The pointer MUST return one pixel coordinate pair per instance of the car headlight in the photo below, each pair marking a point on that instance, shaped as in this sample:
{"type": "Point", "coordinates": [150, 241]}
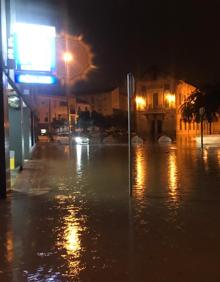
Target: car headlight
{"type": "Point", "coordinates": [78, 140]}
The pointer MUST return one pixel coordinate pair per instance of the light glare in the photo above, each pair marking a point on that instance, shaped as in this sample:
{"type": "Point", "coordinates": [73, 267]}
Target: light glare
{"type": "Point", "coordinates": [34, 47]}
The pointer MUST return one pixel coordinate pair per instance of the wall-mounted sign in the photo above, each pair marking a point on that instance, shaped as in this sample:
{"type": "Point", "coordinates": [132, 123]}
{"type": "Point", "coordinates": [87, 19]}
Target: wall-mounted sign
{"type": "Point", "coordinates": [35, 78]}
{"type": "Point", "coordinates": [34, 52]}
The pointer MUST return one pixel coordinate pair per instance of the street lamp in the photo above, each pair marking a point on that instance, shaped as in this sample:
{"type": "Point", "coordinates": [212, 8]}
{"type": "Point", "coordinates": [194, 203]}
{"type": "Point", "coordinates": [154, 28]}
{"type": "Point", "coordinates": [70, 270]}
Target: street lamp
{"type": "Point", "coordinates": [68, 58]}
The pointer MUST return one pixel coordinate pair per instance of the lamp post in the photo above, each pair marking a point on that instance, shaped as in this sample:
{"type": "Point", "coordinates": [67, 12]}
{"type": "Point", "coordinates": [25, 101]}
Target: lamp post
{"type": "Point", "coordinates": [67, 57]}
{"type": "Point", "coordinates": [130, 93]}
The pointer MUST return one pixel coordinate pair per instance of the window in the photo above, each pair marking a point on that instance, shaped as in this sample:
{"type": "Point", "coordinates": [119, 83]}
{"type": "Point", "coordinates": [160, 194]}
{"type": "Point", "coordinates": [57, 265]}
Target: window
{"type": "Point", "coordinates": [180, 124]}
{"type": "Point", "coordinates": [166, 87]}
{"type": "Point", "coordinates": [46, 119]}
{"type": "Point", "coordinates": [143, 89]}
{"type": "Point", "coordinates": [185, 125]}
{"type": "Point", "coordinates": [155, 100]}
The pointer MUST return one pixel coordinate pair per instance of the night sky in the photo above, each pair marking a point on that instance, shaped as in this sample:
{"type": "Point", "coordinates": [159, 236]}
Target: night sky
{"type": "Point", "coordinates": [181, 38]}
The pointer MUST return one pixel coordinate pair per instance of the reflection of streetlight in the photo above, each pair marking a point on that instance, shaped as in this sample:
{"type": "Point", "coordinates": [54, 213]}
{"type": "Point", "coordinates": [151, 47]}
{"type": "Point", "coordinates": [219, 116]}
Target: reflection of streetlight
{"type": "Point", "coordinates": [201, 112]}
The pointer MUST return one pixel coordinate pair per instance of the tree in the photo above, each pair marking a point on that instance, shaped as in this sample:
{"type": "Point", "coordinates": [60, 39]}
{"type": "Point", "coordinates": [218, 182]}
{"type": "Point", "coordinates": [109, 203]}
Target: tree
{"type": "Point", "coordinates": [84, 120]}
{"type": "Point", "coordinates": [98, 119]}
{"type": "Point", "coordinates": [207, 98]}
{"type": "Point", "coordinates": [58, 123]}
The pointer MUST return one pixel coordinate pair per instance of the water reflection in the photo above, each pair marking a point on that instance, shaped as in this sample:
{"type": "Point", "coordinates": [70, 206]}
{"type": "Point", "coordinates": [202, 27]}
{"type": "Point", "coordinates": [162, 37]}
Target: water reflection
{"type": "Point", "coordinates": [71, 238]}
{"type": "Point", "coordinates": [80, 151]}
{"type": "Point", "coordinates": [140, 171]}
{"type": "Point", "coordinates": [172, 175]}
{"type": "Point", "coordinates": [205, 158]}
{"type": "Point", "coordinates": [9, 246]}
{"type": "Point", "coordinates": [69, 242]}
{"type": "Point", "coordinates": [78, 157]}
{"type": "Point", "coordinates": [218, 156]}
{"type": "Point", "coordinates": [79, 232]}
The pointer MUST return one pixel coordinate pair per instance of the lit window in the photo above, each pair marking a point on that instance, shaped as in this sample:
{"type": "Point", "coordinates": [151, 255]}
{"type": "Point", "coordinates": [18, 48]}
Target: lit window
{"type": "Point", "coordinates": [140, 103]}
{"type": "Point", "coordinates": [171, 100]}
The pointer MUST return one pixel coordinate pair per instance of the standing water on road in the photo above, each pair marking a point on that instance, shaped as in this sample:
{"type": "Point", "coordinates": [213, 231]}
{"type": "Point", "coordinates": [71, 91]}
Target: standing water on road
{"type": "Point", "coordinates": [70, 217]}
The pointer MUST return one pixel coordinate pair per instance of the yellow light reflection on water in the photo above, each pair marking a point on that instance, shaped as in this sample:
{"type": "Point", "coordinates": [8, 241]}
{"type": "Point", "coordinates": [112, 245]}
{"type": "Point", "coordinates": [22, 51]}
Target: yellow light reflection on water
{"type": "Point", "coordinates": [218, 156]}
{"type": "Point", "coordinates": [9, 246]}
{"type": "Point", "coordinates": [172, 176]}
{"type": "Point", "coordinates": [140, 169]}
{"type": "Point", "coordinates": [205, 158]}
{"type": "Point", "coordinates": [71, 243]}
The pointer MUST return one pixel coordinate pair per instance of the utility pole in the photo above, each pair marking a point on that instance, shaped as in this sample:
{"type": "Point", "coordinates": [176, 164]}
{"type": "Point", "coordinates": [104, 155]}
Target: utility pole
{"type": "Point", "coordinates": [130, 93]}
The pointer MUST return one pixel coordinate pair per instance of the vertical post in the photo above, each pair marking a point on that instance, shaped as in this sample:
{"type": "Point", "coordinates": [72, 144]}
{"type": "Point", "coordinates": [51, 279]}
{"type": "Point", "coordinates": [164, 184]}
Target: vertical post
{"type": "Point", "coordinates": [201, 112]}
{"type": "Point", "coordinates": [68, 102]}
{"type": "Point", "coordinates": [49, 120]}
{"type": "Point", "coordinates": [67, 90]}
{"type": "Point", "coordinates": [4, 142]}
{"type": "Point", "coordinates": [130, 92]}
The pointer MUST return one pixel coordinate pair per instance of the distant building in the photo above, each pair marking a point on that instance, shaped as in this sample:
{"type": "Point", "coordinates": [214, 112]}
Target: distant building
{"type": "Point", "coordinates": [158, 104]}
{"type": "Point", "coordinates": [107, 102]}
{"type": "Point", "coordinates": [50, 108]}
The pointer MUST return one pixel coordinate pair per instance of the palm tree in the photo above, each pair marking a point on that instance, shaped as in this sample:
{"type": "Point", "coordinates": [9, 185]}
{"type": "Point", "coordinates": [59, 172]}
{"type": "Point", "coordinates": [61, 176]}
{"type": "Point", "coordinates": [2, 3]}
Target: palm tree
{"type": "Point", "coordinates": [207, 98]}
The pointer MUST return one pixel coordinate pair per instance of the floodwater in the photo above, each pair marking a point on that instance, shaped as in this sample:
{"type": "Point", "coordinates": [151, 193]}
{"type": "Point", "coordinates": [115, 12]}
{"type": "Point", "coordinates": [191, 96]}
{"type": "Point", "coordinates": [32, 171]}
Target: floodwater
{"type": "Point", "coordinates": [70, 217]}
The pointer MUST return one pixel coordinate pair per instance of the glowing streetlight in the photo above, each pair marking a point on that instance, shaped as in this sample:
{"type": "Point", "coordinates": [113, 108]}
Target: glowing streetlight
{"type": "Point", "coordinates": [171, 99]}
{"type": "Point", "coordinates": [67, 57]}
{"type": "Point", "coordinates": [140, 103]}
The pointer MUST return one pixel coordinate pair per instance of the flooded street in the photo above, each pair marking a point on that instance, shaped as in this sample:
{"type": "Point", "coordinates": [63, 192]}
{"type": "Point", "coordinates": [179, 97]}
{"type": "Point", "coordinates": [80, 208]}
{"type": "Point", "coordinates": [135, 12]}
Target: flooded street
{"type": "Point", "coordinates": [70, 217]}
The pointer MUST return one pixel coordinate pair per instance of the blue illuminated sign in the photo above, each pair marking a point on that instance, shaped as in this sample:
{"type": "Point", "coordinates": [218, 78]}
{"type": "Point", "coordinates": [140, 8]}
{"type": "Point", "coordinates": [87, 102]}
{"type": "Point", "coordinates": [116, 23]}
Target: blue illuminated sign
{"type": "Point", "coordinates": [34, 78]}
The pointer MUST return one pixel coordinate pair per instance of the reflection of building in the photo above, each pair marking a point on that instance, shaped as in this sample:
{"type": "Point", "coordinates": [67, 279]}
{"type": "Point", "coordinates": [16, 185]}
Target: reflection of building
{"type": "Point", "coordinates": [158, 104]}
{"type": "Point", "coordinates": [107, 102]}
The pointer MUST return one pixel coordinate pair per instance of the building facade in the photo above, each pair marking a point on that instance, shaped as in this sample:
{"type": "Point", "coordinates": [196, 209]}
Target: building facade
{"type": "Point", "coordinates": [157, 109]}
{"type": "Point", "coordinates": [108, 102]}
{"type": "Point", "coordinates": [52, 108]}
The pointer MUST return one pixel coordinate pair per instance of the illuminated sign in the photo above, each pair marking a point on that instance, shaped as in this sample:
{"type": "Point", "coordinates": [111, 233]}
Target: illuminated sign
{"type": "Point", "coordinates": [34, 48]}
{"type": "Point", "coordinates": [34, 78]}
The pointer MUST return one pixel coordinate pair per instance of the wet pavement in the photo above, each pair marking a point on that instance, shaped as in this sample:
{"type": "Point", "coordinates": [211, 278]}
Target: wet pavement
{"type": "Point", "coordinates": [70, 217]}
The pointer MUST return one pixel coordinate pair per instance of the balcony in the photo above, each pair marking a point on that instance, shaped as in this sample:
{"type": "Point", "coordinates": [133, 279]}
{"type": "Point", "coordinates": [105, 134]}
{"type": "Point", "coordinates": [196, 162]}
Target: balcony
{"type": "Point", "coordinates": [156, 110]}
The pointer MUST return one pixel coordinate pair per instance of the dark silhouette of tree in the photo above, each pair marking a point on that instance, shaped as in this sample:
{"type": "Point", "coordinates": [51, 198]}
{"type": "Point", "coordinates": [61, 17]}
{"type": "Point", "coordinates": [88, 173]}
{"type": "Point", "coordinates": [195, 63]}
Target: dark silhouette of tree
{"type": "Point", "coordinates": [58, 123]}
{"type": "Point", "coordinates": [98, 119]}
{"type": "Point", "coordinates": [84, 120]}
{"type": "Point", "coordinates": [207, 98]}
